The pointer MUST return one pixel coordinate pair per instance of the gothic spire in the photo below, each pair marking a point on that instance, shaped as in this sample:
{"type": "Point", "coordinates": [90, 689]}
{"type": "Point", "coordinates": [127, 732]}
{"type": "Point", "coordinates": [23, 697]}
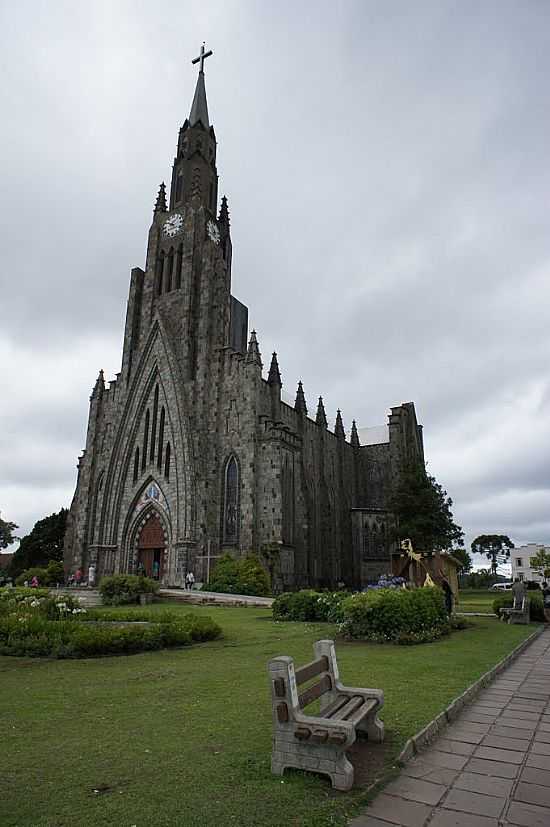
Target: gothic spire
{"type": "Point", "coordinates": [99, 386]}
{"type": "Point", "coordinates": [223, 217]}
{"type": "Point", "coordinates": [274, 377]}
{"type": "Point", "coordinates": [199, 107]}
{"type": "Point", "coordinates": [160, 205]}
{"type": "Point", "coordinates": [354, 436]}
{"type": "Point", "coordinates": [300, 403]}
{"type": "Point", "coordinates": [339, 426]}
{"type": "Point", "coordinates": [321, 418]}
{"type": "Point", "coordinates": [253, 355]}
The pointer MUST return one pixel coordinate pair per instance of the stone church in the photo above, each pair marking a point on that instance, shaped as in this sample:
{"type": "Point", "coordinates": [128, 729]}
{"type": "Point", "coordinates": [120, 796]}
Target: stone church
{"type": "Point", "coordinates": [191, 452]}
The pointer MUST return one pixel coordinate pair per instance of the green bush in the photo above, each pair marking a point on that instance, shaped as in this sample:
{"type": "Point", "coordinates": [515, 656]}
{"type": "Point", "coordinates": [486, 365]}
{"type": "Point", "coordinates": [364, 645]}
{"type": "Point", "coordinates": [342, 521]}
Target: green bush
{"type": "Point", "coordinates": [309, 605]}
{"type": "Point", "coordinates": [36, 636]}
{"type": "Point", "coordinates": [244, 575]}
{"type": "Point", "coordinates": [536, 606]}
{"type": "Point", "coordinates": [49, 576]}
{"type": "Point", "coordinates": [396, 615]}
{"type": "Point", "coordinates": [125, 588]}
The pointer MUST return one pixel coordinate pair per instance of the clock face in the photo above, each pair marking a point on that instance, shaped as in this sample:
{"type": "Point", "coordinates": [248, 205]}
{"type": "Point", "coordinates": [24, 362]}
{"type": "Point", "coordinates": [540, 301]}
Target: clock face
{"type": "Point", "coordinates": [213, 232]}
{"type": "Point", "coordinates": [173, 225]}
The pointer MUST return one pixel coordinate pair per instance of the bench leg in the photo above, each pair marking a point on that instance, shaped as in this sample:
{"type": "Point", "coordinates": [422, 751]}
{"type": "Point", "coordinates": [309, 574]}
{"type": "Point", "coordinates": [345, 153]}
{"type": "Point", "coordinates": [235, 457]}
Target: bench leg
{"type": "Point", "coordinates": [373, 728]}
{"type": "Point", "coordinates": [342, 777]}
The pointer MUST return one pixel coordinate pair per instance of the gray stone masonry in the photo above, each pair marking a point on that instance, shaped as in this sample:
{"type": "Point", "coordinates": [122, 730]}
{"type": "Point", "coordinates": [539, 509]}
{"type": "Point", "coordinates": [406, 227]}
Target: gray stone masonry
{"type": "Point", "coordinates": [186, 404]}
{"type": "Point", "coordinates": [490, 768]}
{"type": "Point", "coordinates": [315, 742]}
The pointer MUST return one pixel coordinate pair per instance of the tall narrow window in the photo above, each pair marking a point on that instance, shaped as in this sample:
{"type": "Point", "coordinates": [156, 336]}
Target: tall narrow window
{"type": "Point", "coordinates": [287, 498]}
{"type": "Point", "coordinates": [168, 268]}
{"type": "Point", "coordinates": [158, 274]}
{"type": "Point", "coordinates": [154, 428]}
{"type": "Point", "coordinates": [231, 503]}
{"type": "Point", "coordinates": [167, 461]}
{"type": "Point", "coordinates": [161, 438]}
{"type": "Point", "coordinates": [179, 259]}
{"type": "Point", "coordinates": [145, 441]}
{"type": "Point", "coordinates": [136, 465]}
{"type": "Point", "coordinates": [179, 187]}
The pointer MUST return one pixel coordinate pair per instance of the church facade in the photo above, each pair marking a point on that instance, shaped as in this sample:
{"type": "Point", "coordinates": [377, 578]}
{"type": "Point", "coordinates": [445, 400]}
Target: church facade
{"type": "Point", "coordinates": [192, 452]}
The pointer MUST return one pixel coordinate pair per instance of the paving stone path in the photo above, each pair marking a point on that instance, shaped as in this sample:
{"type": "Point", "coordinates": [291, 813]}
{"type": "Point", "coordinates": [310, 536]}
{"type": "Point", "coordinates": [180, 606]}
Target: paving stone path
{"type": "Point", "coordinates": [490, 768]}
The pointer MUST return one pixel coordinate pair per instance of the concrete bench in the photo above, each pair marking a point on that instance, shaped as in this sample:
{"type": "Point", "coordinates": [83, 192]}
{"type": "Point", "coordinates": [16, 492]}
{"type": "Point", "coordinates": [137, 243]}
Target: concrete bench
{"type": "Point", "coordinates": [514, 615]}
{"type": "Point", "coordinates": [318, 742]}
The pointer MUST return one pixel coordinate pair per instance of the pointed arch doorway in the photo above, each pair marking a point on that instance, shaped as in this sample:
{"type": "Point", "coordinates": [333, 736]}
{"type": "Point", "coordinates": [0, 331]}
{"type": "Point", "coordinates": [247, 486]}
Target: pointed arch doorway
{"type": "Point", "coordinates": [151, 546]}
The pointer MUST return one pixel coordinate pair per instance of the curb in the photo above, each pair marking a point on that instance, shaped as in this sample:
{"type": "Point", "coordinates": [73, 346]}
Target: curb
{"type": "Point", "coordinates": [429, 732]}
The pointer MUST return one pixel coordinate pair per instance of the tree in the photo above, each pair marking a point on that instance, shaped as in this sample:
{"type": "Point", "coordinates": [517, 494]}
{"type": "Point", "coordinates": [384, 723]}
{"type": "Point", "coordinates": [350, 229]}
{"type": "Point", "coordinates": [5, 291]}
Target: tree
{"type": "Point", "coordinates": [480, 579]}
{"type": "Point", "coordinates": [423, 510]}
{"type": "Point", "coordinates": [541, 563]}
{"type": "Point", "coordinates": [496, 548]}
{"type": "Point", "coordinates": [7, 537]}
{"type": "Point", "coordinates": [44, 543]}
{"type": "Point", "coordinates": [465, 560]}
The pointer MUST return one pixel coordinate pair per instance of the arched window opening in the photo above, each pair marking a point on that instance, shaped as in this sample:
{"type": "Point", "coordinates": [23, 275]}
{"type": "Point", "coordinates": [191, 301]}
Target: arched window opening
{"type": "Point", "coordinates": [179, 187]}
{"type": "Point", "coordinates": [231, 503]}
{"type": "Point", "coordinates": [167, 462]}
{"type": "Point", "coordinates": [287, 485]}
{"type": "Point", "coordinates": [179, 259]}
{"type": "Point", "coordinates": [168, 269]}
{"type": "Point", "coordinates": [158, 274]}
{"type": "Point", "coordinates": [136, 465]}
{"type": "Point", "coordinates": [145, 441]}
{"type": "Point", "coordinates": [212, 205]}
{"type": "Point", "coordinates": [161, 438]}
{"type": "Point", "coordinates": [154, 428]}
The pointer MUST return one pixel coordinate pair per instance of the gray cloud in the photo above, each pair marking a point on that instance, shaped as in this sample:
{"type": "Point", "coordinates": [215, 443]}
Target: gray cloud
{"type": "Point", "coordinates": [388, 179]}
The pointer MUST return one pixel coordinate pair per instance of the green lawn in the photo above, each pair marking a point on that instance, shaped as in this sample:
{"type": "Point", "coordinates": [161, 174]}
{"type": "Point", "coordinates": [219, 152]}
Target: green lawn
{"type": "Point", "coordinates": [183, 737]}
{"type": "Point", "coordinates": [476, 600]}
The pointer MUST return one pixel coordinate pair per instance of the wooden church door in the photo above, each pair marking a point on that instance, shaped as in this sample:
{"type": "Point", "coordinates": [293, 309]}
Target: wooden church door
{"type": "Point", "coordinates": [151, 547]}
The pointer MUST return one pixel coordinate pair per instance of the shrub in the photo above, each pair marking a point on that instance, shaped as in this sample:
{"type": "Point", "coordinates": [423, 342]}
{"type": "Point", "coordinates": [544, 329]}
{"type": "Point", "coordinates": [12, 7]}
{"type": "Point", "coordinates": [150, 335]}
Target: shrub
{"type": "Point", "coordinates": [244, 575]}
{"type": "Point", "coordinates": [396, 615]}
{"type": "Point", "coordinates": [36, 636]}
{"type": "Point", "coordinates": [309, 605]}
{"type": "Point", "coordinates": [536, 606]}
{"type": "Point", "coordinates": [125, 588]}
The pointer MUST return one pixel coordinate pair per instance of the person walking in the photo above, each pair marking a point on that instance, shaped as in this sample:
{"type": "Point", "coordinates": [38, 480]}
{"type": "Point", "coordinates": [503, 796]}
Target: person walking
{"type": "Point", "coordinates": [546, 600]}
{"type": "Point", "coordinates": [190, 580]}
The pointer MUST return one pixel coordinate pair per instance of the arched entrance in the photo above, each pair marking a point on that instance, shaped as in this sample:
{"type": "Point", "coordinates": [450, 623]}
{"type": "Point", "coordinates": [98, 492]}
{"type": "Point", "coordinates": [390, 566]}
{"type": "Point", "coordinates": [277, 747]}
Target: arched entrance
{"type": "Point", "coordinates": [150, 548]}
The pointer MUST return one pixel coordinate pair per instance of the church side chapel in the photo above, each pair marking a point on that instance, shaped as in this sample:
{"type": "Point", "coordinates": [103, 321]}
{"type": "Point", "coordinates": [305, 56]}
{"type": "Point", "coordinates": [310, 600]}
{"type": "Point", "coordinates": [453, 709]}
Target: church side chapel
{"type": "Point", "coordinates": [192, 452]}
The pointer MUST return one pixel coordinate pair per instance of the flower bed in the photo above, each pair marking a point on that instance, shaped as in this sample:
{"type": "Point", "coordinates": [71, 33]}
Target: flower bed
{"type": "Point", "coordinates": [38, 625]}
{"type": "Point", "coordinates": [126, 588]}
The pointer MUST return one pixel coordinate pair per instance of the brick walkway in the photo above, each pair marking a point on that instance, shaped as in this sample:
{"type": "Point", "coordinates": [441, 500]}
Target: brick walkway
{"type": "Point", "coordinates": [489, 768]}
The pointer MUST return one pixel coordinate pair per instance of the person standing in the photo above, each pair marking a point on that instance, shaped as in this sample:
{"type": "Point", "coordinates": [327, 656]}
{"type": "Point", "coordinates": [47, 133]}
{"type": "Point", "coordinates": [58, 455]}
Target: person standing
{"type": "Point", "coordinates": [91, 576]}
{"type": "Point", "coordinates": [518, 590]}
{"type": "Point", "coordinates": [78, 577]}
{"type": "Point", "coordinates": [190, 580]}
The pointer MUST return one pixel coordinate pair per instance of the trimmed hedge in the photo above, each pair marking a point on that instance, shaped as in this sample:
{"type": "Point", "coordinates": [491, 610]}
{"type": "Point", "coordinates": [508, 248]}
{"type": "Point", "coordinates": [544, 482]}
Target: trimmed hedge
{"type": "Point", "coordinates": [34, 636]}
{"type": "Point", "coordinates": [125, 588]}
{"type": "Point", "coordinates": [244, 575]}
{"type": "Point", "coordinates": [536, 606]}
{"type": "Point", "coordinates": [396, 615]}
{"type": "Point", "coordinates": [309, 605]}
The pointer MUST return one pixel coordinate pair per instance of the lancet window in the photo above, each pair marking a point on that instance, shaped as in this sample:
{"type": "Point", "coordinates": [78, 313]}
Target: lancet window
{"type": "Point", "coordinates": [136, 465]}
{"type": "Point", "coordinates": [154, 428]}
{"type": "Point", "coordinates": [167, 461]}
{"type": "Point", "coordinates": [145, 441]}
{"type": "Point", "coordinates": [231, 502]}
{"type": "Point", "coordinates": [161, 438]}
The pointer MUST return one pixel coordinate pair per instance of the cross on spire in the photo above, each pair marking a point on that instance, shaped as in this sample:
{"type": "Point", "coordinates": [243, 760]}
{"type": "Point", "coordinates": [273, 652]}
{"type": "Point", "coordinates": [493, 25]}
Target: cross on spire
{"type": "Point", "coordinates": [201, 58]}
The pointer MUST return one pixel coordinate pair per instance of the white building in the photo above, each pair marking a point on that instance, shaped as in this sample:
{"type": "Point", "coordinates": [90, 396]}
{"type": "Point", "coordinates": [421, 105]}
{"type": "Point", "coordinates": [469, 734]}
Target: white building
{"type": "Point", "coordinates": [520, 559]}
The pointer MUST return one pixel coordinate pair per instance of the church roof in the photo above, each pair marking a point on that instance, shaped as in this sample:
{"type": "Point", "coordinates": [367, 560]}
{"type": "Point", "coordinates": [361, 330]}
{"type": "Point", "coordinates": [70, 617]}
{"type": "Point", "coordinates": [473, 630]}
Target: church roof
{"type": "Point", "coordinates": [199, 107]}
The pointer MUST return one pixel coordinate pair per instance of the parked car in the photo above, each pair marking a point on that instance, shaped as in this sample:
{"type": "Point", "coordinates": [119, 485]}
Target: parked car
{"type": "Point", "coordinates": [501, 587]}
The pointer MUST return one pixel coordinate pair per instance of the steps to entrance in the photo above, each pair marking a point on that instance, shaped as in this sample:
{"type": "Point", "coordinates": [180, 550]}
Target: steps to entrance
{"type": "Point", "coordinates": [214, 598]}
{"type": "Point", "coordinates": [88, 598]}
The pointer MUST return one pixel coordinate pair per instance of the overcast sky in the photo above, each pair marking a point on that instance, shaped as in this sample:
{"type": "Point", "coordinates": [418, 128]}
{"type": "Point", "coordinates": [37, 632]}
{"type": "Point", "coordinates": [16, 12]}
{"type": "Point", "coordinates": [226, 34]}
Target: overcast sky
{"type": "Point", "coordinates": [387, 167]}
